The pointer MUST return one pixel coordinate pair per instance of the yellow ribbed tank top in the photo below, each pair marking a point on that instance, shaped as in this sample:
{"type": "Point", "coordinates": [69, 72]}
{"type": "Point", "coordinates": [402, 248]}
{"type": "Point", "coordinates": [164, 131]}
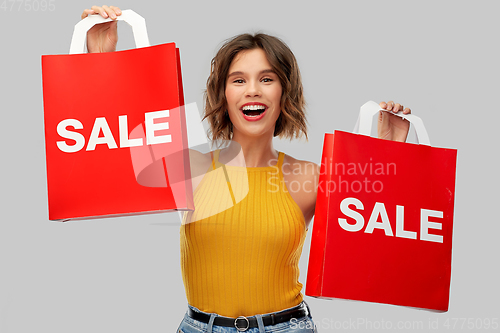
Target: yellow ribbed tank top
{"type": "Point", "coordinates": [242, 259]}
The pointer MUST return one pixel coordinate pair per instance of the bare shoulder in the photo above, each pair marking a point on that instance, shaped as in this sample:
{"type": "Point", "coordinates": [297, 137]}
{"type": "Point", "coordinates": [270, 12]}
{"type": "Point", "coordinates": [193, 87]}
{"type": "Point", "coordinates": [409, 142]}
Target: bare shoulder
{"type": "Point", "coordinates": [199, 163]}
{"type": "Point", "coordinates": [199, 160]}
{"type": "Point", "coordinates": [300, 169]}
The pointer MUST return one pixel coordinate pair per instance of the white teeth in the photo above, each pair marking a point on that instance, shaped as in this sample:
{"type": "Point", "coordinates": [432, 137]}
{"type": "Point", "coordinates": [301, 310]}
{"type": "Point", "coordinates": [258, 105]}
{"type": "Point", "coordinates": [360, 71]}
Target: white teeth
{"type": "Point", "coordinates": [254, 107]}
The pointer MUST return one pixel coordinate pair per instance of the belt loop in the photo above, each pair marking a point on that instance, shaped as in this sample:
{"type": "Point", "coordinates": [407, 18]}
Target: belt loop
{"type": "Point", "coordinates": [308, 310]}
{"type": "Point", "coordinates": [211, 322]}
{"type": "Point", "coordinates": [260, 323]}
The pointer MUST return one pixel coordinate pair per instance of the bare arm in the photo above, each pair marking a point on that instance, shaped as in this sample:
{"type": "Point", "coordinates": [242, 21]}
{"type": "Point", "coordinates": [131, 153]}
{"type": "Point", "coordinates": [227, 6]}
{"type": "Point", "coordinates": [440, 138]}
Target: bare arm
{"type": "Point", "coordinates": [306, 174]}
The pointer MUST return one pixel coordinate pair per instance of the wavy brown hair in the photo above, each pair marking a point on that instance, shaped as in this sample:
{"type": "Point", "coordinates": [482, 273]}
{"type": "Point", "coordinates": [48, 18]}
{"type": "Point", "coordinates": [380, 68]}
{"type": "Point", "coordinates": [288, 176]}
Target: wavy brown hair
{"type": "Point", "coordinates": [291, 122]}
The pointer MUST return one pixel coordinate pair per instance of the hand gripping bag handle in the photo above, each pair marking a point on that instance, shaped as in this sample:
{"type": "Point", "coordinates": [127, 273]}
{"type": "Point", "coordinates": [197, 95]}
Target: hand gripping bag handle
{"type": "Point", "coordinates": [369, 109]}
{"type": "Point", "coordinates": [136, 21]}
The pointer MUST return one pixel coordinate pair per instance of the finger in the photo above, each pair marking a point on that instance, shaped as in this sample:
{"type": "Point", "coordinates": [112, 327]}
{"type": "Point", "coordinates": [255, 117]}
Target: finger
{"type": "Point", "coordinates": [117, 10]}
{"type": "Point", "coordinates": [100, 11]}
{"type": "Point", "coordinates": [397, 107]}
{"type": "Point", "coordinates": [111, 13]}
{"type": "Point", "coordinates": [390, 105]}
{"type": "Point", "coordinates": [407, 111]}
{"type": "Point", "coordinates": [383, 105]}
{"type": "Point", "coordinates": [87, 12]}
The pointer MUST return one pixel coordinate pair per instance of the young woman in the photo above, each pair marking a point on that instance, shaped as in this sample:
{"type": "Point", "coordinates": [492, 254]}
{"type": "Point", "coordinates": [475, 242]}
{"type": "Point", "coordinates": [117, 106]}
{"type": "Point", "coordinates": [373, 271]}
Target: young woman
{"type": "Point", "coordinates": [240, 257]}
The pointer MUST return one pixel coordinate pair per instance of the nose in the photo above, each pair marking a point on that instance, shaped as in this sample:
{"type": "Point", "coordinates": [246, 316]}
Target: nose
{"type": "Point", "coordinates": [253, 89]}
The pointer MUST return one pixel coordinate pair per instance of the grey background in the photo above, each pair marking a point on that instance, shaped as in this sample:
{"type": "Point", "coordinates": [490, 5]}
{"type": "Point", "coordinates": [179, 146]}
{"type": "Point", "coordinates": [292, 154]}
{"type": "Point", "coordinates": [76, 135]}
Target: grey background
{"type": "Point", "coordinates": [122, 275]}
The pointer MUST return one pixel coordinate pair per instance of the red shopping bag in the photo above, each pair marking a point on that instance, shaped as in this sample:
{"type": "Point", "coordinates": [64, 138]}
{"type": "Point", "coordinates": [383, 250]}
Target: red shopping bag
{"type": "Point", "coordinates": [114, 121]}
{"type": "Point", "coordinates": [384, 217]}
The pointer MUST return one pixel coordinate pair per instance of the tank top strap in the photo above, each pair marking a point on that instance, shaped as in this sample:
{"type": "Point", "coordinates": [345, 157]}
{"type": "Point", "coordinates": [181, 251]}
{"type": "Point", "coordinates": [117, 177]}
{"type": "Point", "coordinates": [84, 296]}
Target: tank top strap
{"type": "Point", "coordinates": [215, 157]}
{"type": "Point", "coordinates": [215, 160]}
{"type": "Point", "coordinates": [281, 157]}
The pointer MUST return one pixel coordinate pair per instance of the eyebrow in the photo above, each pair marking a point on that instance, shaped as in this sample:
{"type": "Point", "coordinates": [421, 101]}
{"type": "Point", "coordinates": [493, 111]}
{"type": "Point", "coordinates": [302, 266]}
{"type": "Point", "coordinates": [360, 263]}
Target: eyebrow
{"type": "Point", "coordinates": [265, 71]}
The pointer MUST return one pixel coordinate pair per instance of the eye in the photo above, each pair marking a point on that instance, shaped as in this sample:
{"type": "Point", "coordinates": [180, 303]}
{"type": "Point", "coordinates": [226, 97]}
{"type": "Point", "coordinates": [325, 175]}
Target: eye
{"type": "Point", "coordinates": [267, 80]}
{"type": "Point", "coordinates": [239, 81]}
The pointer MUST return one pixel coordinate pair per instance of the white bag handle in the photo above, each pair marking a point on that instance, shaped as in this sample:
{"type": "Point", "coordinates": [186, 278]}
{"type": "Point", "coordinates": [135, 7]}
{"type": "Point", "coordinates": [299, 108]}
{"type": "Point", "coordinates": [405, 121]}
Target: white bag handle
{"type": "Point", "coordinates": [136, 21]}
{"type": "Point", "coordinates": [369, 109]}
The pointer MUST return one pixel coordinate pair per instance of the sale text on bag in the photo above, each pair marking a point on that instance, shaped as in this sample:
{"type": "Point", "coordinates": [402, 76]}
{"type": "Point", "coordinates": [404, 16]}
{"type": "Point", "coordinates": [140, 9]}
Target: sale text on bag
{"type": "Point", "coordinates": [384, 224]}
{"type": "Point", "coordinates": [101, 125]}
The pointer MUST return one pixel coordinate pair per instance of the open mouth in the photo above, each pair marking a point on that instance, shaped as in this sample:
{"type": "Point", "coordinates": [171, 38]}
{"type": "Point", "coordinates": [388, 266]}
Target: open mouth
{"type": "Point", "coordinates": [253, 110]}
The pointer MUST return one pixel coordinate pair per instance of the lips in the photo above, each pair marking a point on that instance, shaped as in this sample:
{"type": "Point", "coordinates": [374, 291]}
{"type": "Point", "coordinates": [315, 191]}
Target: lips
{"type": "Point", "coordinates": [253, 111]}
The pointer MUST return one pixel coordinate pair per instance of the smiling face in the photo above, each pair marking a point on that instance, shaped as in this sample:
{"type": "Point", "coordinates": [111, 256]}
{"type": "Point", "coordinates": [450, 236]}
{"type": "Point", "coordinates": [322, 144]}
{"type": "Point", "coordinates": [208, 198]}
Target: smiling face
{"type": "Point", "coordinates": [253, 94]}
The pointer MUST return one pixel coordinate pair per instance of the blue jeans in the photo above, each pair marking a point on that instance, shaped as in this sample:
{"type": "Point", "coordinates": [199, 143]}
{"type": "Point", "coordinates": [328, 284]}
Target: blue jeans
{"type": "Point", "coordinates": [295, 325]}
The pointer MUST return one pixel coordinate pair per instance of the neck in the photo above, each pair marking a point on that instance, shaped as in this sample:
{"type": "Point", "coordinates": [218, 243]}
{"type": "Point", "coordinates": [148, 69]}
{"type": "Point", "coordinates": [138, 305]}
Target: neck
{"type": "Point", "coordinates": [257, 151]}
